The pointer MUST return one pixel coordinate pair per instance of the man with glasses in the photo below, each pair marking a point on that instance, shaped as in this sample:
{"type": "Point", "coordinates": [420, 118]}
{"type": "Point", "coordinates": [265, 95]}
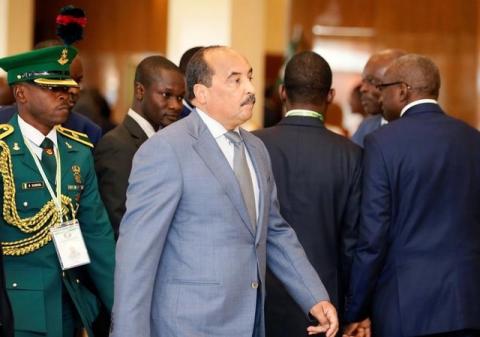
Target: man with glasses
{"type": "Point", "coordinates": [370, 95]}
{"type": "Point", "coordinates": [54, 228]}
{"type": "Point", "coordinates": [159, 88]}
{"type": "Point", "coordinates": [416, 270]}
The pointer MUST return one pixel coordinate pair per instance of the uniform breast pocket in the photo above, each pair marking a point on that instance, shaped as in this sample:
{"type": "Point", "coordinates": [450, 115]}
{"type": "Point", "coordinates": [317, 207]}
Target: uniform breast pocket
{"type": "Point", "coordinates": [30, 202]}
{"type": "Point", "coordinates": [27, 299]}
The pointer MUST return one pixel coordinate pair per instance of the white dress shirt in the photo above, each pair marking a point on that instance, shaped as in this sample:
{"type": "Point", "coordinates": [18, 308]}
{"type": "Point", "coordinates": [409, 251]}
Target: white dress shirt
{"type": "Point", "coordinates": [417, 102]}
{"type": "Point", "coordinates": [142, 122]}
{"type": "Point", "coordinates": [35, 137]}
{"type": "Point", "coordinates": [218, 132]}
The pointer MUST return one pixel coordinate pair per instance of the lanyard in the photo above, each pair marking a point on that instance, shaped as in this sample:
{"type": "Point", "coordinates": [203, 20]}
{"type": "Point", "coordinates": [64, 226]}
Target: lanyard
{"type": "Point", "coordinates": [304, 113]}
{"type": "Point", "coordinates": [58, 178]}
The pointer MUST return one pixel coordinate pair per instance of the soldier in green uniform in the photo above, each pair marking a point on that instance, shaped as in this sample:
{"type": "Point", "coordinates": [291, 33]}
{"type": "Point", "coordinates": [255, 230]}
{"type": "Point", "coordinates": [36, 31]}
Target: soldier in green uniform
{"type": "Point", "coordinates": [57, 241]}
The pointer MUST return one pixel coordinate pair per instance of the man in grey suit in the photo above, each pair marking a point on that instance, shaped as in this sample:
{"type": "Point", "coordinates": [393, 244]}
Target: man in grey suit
{"type": "Point", "coordinates": [203, 221]}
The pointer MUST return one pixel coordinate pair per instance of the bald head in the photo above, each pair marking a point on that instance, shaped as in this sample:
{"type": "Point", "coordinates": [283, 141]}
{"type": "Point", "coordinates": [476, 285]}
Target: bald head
{"type": "Point", "coordinates": [419, 73]}
{"type": "Point", "coordinates": [372, 75]}
{"type": "Point", "coordinates": [382, 59]}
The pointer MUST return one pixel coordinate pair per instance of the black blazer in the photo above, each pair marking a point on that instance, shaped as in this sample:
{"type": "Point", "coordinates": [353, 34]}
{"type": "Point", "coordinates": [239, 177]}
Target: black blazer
{"type": "Point", "coordinates": [318, 176]}
{"type": "Point", "coordinates": [113, 163]}
{"type": "Point", "coordinates": [6, 318]}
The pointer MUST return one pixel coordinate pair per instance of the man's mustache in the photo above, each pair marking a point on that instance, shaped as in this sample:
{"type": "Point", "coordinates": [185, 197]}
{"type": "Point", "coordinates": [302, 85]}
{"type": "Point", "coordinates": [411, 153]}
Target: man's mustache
{"type": "Point", "coordinates": [250, 100]}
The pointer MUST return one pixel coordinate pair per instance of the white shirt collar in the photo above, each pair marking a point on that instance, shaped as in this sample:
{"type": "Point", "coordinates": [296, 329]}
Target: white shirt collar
{"type": "Point", "coordinates": [417, 102]}
{"type": "Point", "coordinates": [142, 122]}
{"type": "Point", "coordinates": [35, 136]}
{"type": "Point", "coordinates": [188, 105]}
{"type": "Point", "coordinates": [214, 126]}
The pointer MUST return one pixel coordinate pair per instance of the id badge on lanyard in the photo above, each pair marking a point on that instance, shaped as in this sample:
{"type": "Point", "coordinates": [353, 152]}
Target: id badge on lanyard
{"type": "Point", "coordinates": [67, 235]}
{"type": "Point", "coordinates": [69, 244]}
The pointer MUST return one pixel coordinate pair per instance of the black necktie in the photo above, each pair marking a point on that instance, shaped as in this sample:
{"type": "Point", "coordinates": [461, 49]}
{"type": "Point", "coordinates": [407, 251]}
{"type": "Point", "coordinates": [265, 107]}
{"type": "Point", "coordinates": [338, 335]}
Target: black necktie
{"type": "Point", "coordinates": [48, 160]}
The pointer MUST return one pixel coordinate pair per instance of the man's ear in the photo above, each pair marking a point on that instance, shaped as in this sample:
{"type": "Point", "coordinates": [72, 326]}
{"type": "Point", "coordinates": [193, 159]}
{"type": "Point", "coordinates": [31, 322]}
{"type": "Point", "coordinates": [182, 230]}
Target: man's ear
{"type": "Point", "coordinates": [404, 93]}
{"type": "Point", "coordinates": [330, 95]}
{"type": "Point", "coordinates": [200, 92]}
{"type": "Point", "coordinates": [282, 93]}
{"type": "Point", "coordinates": [139, 91]}
{"type": "Point", "coordinates": [19, 93]}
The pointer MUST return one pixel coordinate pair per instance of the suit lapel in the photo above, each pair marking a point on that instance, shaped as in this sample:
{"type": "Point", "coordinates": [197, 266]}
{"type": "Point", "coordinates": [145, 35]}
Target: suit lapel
{"type": "Point", "coordinates": [135, 130]}
{"type": "Point", "coordinates": [211, 154]}
{"type": "Point", "coordinates": [66, 146]}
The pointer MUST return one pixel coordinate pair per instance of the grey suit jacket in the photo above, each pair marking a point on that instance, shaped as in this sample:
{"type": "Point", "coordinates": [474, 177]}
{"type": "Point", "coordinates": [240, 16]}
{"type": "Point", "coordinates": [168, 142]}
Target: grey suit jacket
{"type": "Point", "coordinates": [113, 163]}
{"type": "Point", "coordinates": [188, 259]}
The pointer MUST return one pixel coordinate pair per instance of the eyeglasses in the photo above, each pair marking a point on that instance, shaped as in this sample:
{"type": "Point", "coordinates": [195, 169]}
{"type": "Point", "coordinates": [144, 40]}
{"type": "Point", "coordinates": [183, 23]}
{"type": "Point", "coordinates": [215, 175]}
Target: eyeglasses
{"type": "Point", "coordinates": [384, 85]}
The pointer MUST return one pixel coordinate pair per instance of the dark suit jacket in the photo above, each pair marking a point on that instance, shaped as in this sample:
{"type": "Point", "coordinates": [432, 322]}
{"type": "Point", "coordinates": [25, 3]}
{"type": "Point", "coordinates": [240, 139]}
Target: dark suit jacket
{"type": "Point", "coordinates": [368, 125]}
{"type": "Point", "coordinates": [113, 163]}
{"type": "Point", "coordinates": [318, 177]}
{"type": "Point", "coordinates": [6, 319]}
{"type": "Point", "coordinates": [416, 269]}
{"type": "Point", "coordinates": [75, 121]}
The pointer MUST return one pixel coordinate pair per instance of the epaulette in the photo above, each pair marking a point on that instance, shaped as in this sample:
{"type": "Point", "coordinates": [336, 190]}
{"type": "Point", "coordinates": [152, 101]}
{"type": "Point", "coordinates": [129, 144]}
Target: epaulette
{"type": "Point", "coordinates": [75, 135]}
{"type": "Point", "coordinates": [5, 130]}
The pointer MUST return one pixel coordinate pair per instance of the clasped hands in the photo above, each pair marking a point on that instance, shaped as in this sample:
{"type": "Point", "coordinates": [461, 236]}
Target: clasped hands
{"type": "Point", "coordinates": [358, 329]}
{"type": "Point", "coordinates": [327, 318]}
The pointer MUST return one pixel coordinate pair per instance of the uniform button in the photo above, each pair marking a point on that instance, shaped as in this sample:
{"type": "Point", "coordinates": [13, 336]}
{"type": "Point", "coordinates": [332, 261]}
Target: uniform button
{"type": "Point", "coordinates": [25, 204]}
{"type": "Point", "coordinates": [63, 274]}
{"type": "Point", "coordinates": [77, 280]}
{"type": "Point", "coordinates": [254, 285]}
{"type": "Point", "coordinates": [14, 285]}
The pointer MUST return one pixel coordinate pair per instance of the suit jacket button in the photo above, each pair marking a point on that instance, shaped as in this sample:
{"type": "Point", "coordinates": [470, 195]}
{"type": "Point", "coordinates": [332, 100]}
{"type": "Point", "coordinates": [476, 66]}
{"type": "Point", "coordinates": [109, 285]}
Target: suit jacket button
{"type": "Point", "coordinates": [254, 285]}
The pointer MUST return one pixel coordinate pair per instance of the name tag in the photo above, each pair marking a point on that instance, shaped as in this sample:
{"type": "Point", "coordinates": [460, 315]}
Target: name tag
{"type": "Point", "coordinates": [69, 244]}
{"type": "Point", "coordinates": [33, 185]}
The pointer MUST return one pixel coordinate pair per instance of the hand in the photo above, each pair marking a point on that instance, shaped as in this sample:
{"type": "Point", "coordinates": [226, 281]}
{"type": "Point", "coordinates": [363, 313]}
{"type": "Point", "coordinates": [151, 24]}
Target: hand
{"type": "Point", "coordinates": [358, 329]}
{"type": "Point", "coordinates": [327, 318]}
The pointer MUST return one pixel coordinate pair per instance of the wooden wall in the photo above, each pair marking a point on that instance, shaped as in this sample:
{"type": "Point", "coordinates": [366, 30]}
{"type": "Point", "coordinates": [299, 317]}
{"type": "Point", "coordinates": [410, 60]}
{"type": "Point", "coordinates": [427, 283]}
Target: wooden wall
{"type": "Point", "coordinates": [117, 36]}
{"type": "Point", "coordinates": [447, 31]}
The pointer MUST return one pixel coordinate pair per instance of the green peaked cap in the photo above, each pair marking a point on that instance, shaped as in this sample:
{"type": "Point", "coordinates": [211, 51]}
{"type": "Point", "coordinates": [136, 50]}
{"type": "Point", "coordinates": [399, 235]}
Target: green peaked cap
{"type": "Point", "coordinates": [47, 66]}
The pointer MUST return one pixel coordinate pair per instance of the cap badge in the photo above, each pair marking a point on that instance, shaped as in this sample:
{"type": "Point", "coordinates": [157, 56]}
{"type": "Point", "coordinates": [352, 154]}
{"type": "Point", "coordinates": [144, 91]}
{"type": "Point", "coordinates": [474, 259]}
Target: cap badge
{"type": "Point", "coordinates": [64, 57]}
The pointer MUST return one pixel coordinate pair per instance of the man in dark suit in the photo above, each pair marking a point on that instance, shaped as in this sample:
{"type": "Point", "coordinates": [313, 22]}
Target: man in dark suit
{"type": "Point", "coordinates": [370, 96]}
{"type": "Point", "coordinates": [416, 269]}
{"type": "Point", "coordinates": [6, 319]}
{"type": "Point", "coordinates": [318, 179]}
{"type": "Point", "coordinates": [159, 88]}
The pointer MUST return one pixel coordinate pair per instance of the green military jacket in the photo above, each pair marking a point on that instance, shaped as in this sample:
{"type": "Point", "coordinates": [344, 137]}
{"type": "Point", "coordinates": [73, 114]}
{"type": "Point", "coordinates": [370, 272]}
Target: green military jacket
{"type": "Point", "coordinates": [34, 280]}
